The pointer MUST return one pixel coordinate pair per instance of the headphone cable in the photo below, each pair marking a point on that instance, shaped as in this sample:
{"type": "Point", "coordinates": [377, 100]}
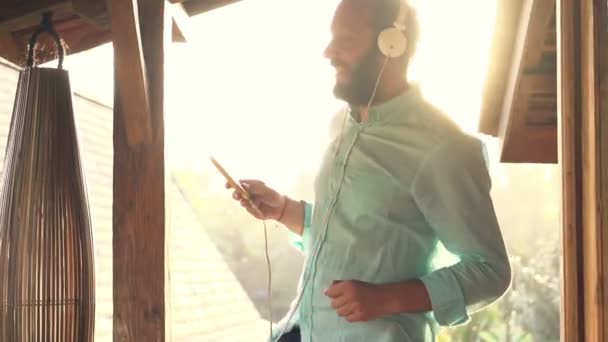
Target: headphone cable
{"type": "Point", "coordinates": [269, 277]}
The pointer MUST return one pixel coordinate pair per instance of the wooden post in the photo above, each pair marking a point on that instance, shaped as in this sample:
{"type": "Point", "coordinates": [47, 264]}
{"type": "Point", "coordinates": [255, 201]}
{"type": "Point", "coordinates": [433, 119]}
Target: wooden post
{"type": "Point", "coordinates": [130, 70]}
{"type": "Point", "coordinates": [602, 153]}
{"type": "Point", "coordinates": [598, 188]}
{"type": "Point", "coordinates": [140, 260]}
{"type": "Point", "coordinates": [569, 150]}
{"type": "Point", "coordinates": [583, 122]}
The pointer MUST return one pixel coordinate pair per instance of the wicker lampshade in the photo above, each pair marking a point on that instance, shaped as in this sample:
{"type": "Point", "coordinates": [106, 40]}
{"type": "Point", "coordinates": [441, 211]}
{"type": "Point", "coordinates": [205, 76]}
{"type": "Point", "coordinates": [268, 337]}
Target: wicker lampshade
{"type": "Point", "coordinates": [46, 251]}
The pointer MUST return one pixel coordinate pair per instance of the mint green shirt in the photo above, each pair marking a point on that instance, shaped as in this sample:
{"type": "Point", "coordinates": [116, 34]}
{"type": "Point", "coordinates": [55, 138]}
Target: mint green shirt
{"type": "Point", "coordinates": [388, 194]}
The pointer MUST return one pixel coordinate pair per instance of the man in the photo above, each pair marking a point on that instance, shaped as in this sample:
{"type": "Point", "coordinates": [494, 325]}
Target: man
{"type": "Point", "coordinates": [398, 179]}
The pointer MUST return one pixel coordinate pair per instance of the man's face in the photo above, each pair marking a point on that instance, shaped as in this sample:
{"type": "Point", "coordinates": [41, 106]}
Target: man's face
{"type": "Point", "coordinates": [352, 51]}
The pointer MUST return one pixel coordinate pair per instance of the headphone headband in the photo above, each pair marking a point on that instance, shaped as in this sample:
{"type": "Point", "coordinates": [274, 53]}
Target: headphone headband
{"type": "Point", "coordinates": [401, 16]}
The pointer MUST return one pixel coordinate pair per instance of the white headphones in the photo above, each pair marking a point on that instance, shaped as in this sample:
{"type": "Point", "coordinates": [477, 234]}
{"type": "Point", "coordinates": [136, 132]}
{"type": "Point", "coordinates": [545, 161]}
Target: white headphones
{"type": "Point", "coordinates": [392, 41]}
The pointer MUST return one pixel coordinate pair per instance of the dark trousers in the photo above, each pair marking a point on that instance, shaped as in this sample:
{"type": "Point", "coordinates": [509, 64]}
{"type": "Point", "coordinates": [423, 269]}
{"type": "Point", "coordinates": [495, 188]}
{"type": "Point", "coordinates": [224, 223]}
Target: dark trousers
{"type": "Point", "coordinates": [292, 336]}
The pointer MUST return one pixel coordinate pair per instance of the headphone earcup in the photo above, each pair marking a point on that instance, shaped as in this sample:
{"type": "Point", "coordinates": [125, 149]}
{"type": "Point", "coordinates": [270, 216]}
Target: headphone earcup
{"type": "Point", "coordinates": [392, 42]}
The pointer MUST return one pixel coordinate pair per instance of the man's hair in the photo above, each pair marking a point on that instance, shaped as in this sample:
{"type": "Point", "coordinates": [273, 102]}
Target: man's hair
{"type": "Point", "coordinates": [384, 14]}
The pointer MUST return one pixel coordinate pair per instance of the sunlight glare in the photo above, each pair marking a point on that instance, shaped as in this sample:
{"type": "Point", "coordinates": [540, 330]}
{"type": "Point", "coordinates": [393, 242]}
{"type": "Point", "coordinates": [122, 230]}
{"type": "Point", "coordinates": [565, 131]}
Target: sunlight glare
{"type": "Point", "coordinates": [255, 91]}
{"type": "Point", "coordinates": [453, 55]}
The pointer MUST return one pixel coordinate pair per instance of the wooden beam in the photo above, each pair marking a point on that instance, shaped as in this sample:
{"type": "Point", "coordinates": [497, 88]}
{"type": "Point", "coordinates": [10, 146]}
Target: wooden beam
{"type": "Point", "coordinates": [533, 145]}
{"type": "Point", "coordinates": [194, 7]}
{"type": "Point", "coordinates": [79, 36]}
{"type": "Point", "coordinates": [529, 39]}
{"type": "Point", "coordinates": [9, 48]}
{"type": "Point", "coordinates": [19, 13]}
{"type": "Point", "coordinates": [569, 130]}
{"type": "Point", "coordinates": [139, 237]}
{"type": "Point", "coordinates": [600, 39]}
{"type": "Point", "coordinates": [131, 70]}
{"type": "Point", "coordinates": [79, 33]}
{"type": "Point", "coordinates": [180, 23]}
{"type": "Point", "coordinates": [593, 36]}
{"type": "Point", "coordinates": [501, 55]}
{"type": "Point", "coordinates": [537, 31]}
{"type": "Point", "coordinates": [529, 143]}
{"type": "Point", "coordinates": [519, 42]}
{"type": "Point", "coordinates": [539, 103]}
{"type": "Point", "coordinates": [517, 65]}
{"type": "Point", "coordinates": [94, 11]}
{"type": "Point", "coordinates": [582, 92]}
{"type": "Point", "coordinates": [82, 24]}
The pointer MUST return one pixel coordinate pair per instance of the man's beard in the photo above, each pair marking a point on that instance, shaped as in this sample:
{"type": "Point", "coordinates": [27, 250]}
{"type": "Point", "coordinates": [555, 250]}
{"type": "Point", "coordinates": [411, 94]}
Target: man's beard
{"type": "Point", "coordinates": [363, 77]}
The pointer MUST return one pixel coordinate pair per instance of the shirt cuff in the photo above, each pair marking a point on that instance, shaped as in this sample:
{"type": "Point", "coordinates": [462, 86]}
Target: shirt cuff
{"type": "Point", "coordinates": [447, 299]}
{"type": "Point", "coordinates": [300, 242]}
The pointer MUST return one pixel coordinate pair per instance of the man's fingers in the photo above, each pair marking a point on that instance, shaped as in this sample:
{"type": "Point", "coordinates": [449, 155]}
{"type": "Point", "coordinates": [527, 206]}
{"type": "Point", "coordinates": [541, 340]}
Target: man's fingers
{"type": "Point", "coordinates": [255, 212]}
{"type": "Point", "coordinates": [255, 182]}
{"type": "Point", "coordinates": [355, 316]}
{"type": "Point", "coordinates": [346, 310]}
{"type": "Point", "coordinates": [247, 202]}
{"type": "Point", "coordinates": [334, 290]}
{"type": "Point", "coordinates": [338, 302]}
{"type": "Point", "coordinates": [252, 208]}
{"type": "Point", "coordinates": [254, 187]}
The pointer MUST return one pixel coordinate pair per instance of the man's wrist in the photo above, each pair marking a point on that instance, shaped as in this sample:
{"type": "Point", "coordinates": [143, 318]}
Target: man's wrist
{"type": "Point", "coordinates": [389, 299]}
{"type": "Point", "coordinates": [291, 215]}
{"type": "Point", "coordinates": [404, 297]}
{"type": "Point", "coordinates": [283, 208]}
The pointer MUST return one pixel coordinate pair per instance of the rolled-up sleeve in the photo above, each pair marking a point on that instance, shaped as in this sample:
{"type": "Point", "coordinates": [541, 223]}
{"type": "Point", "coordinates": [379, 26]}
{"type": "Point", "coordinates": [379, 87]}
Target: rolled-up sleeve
{"type": "Point", "coordinates": [300, 242]}
{"type": "Point", "coordinates": [452, 190]}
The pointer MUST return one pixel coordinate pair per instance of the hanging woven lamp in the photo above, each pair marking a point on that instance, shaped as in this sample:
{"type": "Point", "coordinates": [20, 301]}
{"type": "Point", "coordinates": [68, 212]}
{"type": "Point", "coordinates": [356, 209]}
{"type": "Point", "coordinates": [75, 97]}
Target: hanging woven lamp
{"type": "Point", "coordinates": [46, 249]}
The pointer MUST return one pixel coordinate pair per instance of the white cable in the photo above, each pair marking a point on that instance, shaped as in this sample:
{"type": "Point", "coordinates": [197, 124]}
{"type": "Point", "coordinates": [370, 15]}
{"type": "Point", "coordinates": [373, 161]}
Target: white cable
{"type": "Point", "coordinates": [371, 99]}
{"type": "Point", "coordinates": [269, 289]}
{"type": "Point", "coordinates": [269, 277]}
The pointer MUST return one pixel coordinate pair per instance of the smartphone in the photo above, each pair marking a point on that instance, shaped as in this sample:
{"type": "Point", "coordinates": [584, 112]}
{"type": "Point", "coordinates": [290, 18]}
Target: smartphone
{"type": "Point", "coordinates": [236, 186]}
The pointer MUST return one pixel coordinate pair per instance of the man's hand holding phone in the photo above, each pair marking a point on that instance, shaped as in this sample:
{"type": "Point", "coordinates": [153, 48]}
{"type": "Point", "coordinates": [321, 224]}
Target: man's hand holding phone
{"type": "Point", "coordinates": [270, 204]}
{"type": "Point", "coordinates": [260, 201]}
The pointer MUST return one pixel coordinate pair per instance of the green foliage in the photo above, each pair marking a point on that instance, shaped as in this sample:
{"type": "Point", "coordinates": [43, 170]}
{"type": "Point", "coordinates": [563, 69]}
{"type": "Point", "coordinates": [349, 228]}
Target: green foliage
{"type": "Point", "coordinates": [527, 202]}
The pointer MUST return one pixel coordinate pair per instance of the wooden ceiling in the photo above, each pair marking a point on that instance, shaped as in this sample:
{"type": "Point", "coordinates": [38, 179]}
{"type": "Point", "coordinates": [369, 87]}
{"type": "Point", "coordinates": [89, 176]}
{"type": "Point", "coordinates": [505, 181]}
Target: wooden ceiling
{"type": "Point", "coordinates": [520, 96]}
{"type": "Point", "coordinates": [82, 24]}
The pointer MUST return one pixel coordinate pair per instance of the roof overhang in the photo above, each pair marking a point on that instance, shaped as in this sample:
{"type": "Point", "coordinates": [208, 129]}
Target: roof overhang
{"type": "Point", "coordinates": [519, 103]}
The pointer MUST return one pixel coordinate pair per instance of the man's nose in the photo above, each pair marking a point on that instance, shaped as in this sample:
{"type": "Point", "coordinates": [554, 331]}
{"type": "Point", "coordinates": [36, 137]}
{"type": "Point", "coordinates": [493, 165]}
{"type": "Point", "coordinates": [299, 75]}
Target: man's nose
{"type": "Point", "coordinates": [329, 52]}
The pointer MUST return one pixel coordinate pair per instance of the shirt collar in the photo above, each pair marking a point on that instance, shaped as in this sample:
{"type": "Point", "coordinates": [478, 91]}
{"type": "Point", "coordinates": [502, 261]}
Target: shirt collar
{"type": "Point", "coordinates": [395, 105]}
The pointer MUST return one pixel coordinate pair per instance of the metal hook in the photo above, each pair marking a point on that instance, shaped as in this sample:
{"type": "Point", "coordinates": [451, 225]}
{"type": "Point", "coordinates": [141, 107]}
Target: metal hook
{"type": "Point", "coordinates": [46, 25]}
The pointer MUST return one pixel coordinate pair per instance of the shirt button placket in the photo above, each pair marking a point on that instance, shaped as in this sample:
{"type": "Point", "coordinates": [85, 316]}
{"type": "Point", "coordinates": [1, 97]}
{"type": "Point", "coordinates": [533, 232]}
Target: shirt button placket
{"type": "Point", "coordinates": [336, 178]}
